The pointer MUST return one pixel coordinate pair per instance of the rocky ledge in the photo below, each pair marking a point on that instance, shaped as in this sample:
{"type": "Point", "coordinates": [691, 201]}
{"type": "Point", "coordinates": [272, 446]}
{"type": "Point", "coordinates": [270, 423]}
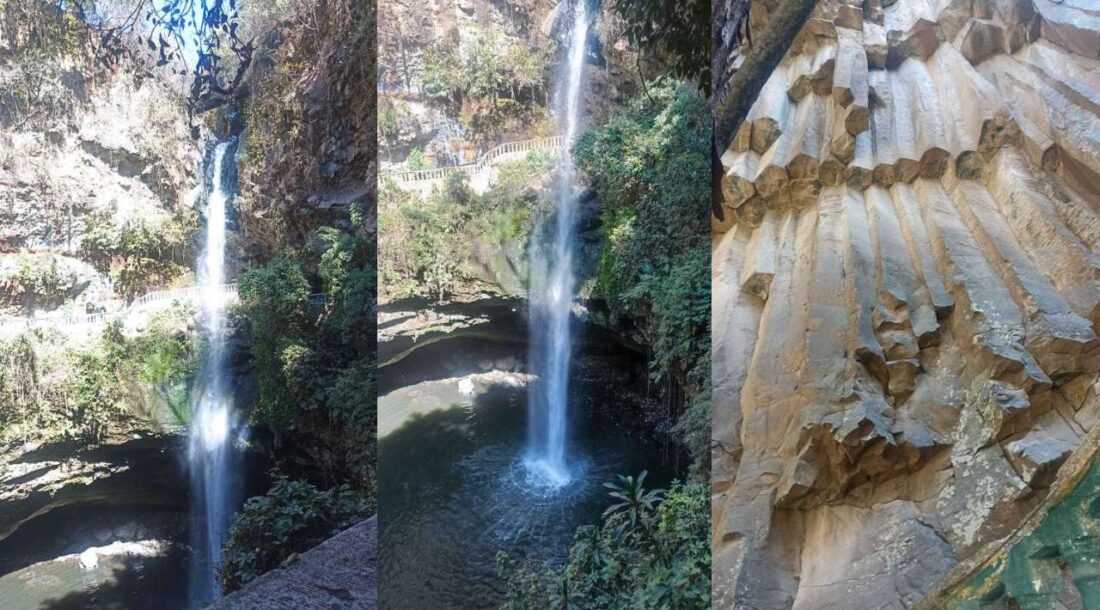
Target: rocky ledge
{"type": "Point", "coordinates": [138, 471]}
{"type": "Point", "coordinates": [340, 573]}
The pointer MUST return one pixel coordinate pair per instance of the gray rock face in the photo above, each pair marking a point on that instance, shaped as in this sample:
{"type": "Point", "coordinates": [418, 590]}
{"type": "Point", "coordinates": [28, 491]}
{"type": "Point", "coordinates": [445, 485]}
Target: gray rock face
{"type": "Point", "coordinates": [119, 150]}
{"type": "Point", "coordinates": [905, 295]}
{"type": "Point", "coordinates": [126, 148]}
{"type": "Point", "coordinates": [340, 573]}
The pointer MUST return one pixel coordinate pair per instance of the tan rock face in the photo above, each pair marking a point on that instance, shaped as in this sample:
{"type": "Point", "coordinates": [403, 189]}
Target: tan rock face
{"type": "Point", "coordinates": [906, 297]}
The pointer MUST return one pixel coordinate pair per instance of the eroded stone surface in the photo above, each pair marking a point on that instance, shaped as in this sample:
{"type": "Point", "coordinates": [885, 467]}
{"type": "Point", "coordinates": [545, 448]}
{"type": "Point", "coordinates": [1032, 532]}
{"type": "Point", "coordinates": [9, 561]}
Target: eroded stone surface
{"type": "Point", "coordinates": [338, 574]}
{"type": "Point", "coordinates": [905, 303]}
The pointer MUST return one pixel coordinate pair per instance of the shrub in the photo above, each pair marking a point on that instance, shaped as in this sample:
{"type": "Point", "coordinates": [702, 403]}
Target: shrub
{"type": "Point", "coordinates": [50, 390]}
{"type": "Point", "coordinates": [98, 397]}
{"type": "Point", "coordinates": [275, 299]}
{"type": "Point", "coordinates": [140, 255]}
{"type": "Point", "coordinates": [659, 560]}
{"type": "Point", "coordinates": [315, 362]}
{"type": "Point", "coordinates": [38, 282]}
{"type": "Point", "coordinates": [425, 242]}
{"type": "Point", "coordinates": [292, 517]}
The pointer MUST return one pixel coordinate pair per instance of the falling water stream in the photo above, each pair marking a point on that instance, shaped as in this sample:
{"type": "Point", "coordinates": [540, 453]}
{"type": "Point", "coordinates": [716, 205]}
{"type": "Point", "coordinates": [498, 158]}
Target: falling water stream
{"type": "Point", "coordinates": [211, 452]}
{"type": "Point", "coordinates": [552, 291]}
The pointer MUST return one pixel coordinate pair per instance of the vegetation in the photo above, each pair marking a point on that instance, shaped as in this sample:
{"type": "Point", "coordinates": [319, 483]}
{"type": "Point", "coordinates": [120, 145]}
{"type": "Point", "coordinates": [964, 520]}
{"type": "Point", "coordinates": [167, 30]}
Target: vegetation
{"type": "Point", "coordinates": [427, 243]}
{"type": "Point", "coordinates": [50, 390]}
{"type": "Point", "coordinates": [44, 41]}
{"type": "Point", "coordinates": [275, 300]}
{"type": "Point", "coordinates": [674, 33]}
{"type": "Point", "coordinates": [309, 299]}
{"type": "Point", "coordinates": [652, 550]}
{"type": "Point", "coordinates": [649, 167]}
{"type": "Point", "coordinates": [495, 81]}
{"type": "Point", "coordinates": [141, 255]}
{"type": "Point", "coordinates": [314, 362]}
{"type": "Point", "coordinates": [291, 518]}
{"type": "Point", "coordinates": [38, 281]}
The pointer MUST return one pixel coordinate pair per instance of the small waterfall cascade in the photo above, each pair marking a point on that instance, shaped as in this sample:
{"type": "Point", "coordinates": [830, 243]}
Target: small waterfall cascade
{"type": "Point", "coordinates": [552, 284]}
{"type": "Point", "coordinates": [447, 132]}
{"type": "Point", "coordinates": [212, 454]}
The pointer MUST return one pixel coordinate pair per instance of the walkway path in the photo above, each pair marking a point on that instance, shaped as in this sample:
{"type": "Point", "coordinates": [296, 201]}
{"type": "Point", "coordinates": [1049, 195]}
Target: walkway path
{"type": "Point", "coordinates": [482, 173]}
{"type": "Point", "coordinates": [144, 304]}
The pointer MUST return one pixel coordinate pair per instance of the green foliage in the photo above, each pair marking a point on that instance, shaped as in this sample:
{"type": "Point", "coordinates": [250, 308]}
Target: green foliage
{"type": "Point", "coordinates": [20, 388]}
{"type": "Point", "coordinates": [313, 366]}
{"type": "Point", "coordinates": [98, 396]}
{"type": "Point", "coordinates": [427, 242]}
{"type": "Point", "coordinates": [347, 338]}
{"type": "Point", "coordinates": [676, 33]}
{"type": "Point", "coordinates": [153, 256]}
{"type": "Point", "coordinates": [416, 160]}
{"type": "Point", "coordinates": [275, 299]}
{"type": "Point", "coordinates": [291, 518]}
{"type": "Point", "coordinates": [649, 166]}
{"type": "Point", "coordinates": [387, 120]}
{"type": "Point", "coordinates": [314, 362]}
{"type": "Point", "coordinates": [140, 256]}
{"type": "Point", "coordinates": [351, 398]}
{"type": "Point", "coordinates": [37, 282]}
{"type": "Point", "coordinates": [49, 390]}
{"type": "Point", "coordinates": [659, 560]}
{"type": "Point", "coordinates": [634, 499]}
{"type": "Point", "coordinates": [497, 80]}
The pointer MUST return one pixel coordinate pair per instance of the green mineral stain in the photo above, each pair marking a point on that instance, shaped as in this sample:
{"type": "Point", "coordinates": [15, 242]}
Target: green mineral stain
{"type": "Point", "coordinates": [1032, 575]}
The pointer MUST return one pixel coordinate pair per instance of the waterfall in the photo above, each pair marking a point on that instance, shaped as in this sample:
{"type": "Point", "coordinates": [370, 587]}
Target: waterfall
{"type": "Point", "coordinates": [552, 288]}
{"type": "Point", "coordinates": [211, 452]}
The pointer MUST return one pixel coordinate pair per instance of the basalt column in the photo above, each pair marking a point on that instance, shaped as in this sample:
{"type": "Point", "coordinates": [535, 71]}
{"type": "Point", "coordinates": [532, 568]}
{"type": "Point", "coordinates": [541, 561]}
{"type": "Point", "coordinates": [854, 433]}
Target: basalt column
{"type": "Point", "coordinates": [906, 297]}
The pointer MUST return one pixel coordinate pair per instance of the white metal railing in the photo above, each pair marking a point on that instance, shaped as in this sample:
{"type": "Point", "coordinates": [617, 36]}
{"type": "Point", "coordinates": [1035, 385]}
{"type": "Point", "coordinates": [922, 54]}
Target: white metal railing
{"type": "Point", "coordinates": [158, 296]}
{"type": "Point", "coordinates": [487, 159]}
{"type": "Point", "coordinates": [192, 292]}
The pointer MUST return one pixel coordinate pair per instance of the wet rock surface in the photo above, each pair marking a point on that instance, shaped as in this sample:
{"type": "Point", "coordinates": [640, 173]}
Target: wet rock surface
{"type": "Point", "coordinates": [405, 326]}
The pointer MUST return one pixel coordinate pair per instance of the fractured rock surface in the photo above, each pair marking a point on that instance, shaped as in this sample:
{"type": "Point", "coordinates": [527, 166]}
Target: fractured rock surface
{"type": "Point", "coordinates": [906, 297]}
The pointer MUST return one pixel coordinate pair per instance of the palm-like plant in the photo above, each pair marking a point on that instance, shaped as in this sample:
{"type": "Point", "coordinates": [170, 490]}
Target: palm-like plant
{"type": "Point", "coordinates": [633, 498]}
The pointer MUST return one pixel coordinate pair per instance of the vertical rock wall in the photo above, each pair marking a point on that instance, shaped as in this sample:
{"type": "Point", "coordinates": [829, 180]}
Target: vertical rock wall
{"type": "Point", "coordinates": [906, 297]}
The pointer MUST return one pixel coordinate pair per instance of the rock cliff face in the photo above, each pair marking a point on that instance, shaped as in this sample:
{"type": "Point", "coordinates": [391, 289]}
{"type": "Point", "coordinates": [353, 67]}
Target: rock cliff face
{"type": "Point", "coordinates": [310, 122]}
{"type": "Point", "coordinates": [80, 145]}
{"type": "Point", "coordinates": [905, 300]}
{"type": "Point", "coordinates": [413, 119]}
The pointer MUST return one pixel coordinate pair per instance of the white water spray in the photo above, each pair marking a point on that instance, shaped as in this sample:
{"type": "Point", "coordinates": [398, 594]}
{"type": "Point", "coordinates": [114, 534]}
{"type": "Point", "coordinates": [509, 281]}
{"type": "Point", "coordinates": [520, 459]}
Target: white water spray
{"type": "Point", "coordinates": [552, 289]}
{"type": "Point", "coordinates": [212, 457]}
